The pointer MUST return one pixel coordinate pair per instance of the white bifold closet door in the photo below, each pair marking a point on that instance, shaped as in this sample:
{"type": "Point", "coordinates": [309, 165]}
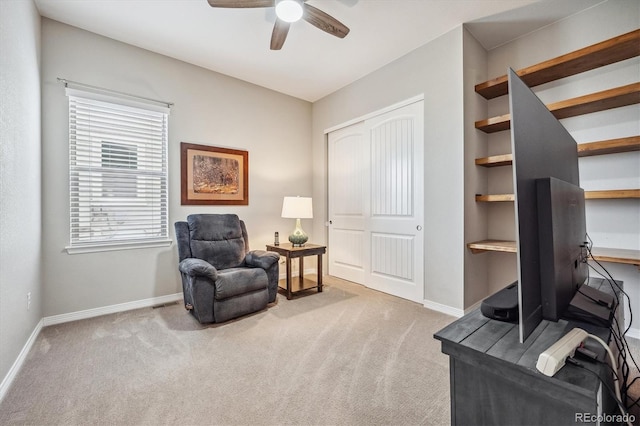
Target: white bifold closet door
{"type": "Point", "coordinates": [376, 202]}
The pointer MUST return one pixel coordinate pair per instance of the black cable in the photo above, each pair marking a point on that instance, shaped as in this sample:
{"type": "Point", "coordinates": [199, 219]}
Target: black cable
{"type": "Point", "coordinates": [621, 343]}
{"type": "Point", "coordinates": [623, 347]}
{"type": "Point", "coordinates": [611, 370]}
{"type": "Point", "coordinates": [623, 410]}
{"type": "Point", "coordinates": [637, 400]}
{"type": "Point", "coordinates": [611, 280]}
{"type": "Point", "coordinates": [623, 352]}
{"type": "Point", "coordinates": [623, 365]}
{"type": "Point", "coordinates": [598, 302]}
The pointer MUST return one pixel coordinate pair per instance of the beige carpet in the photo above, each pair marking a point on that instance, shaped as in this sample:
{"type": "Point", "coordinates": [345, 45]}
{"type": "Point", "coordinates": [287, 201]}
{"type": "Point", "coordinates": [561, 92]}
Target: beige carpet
{"type": "Point", "coordinates": [347, 356]}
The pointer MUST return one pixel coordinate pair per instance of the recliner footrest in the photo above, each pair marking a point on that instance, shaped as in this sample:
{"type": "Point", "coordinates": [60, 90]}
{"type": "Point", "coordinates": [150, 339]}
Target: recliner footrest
{"type": "Point", "coordinates": [236, 281]}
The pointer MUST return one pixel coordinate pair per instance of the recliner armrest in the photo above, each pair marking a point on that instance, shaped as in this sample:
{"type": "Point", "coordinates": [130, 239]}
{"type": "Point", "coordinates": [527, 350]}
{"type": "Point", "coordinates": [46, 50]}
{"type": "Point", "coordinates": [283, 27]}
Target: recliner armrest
{"type": "Point", "coordinates": [261, 258]}
{"type": "Point", "coordinates": [198, 267]}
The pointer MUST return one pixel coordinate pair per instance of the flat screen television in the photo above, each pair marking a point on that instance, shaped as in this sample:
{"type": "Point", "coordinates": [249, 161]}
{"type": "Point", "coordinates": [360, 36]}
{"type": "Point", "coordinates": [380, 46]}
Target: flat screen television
{"type": "Point", "coordinates": [550, 228]}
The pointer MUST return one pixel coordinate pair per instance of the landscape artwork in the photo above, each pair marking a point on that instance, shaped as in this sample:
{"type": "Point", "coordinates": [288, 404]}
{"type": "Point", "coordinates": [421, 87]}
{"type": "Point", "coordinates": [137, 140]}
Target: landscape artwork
{"type": "Point", "coordinates": [212, 175]}
{"type": "Point", "coordinates": [215, 175]}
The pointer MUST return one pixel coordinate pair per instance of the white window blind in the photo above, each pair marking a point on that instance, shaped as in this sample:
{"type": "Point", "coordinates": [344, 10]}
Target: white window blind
{"type": "Point", "coordinates": [117, 172]}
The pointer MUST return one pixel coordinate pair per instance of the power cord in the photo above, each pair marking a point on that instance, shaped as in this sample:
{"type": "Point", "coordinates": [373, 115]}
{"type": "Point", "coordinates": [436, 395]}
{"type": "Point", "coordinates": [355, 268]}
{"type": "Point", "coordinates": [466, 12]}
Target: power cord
{"type": "Point", "coordinates": [614, 364]}
{"type": "Point", "coordinates": [619, 338]}
{"type": "Point", "coordinates": [624, 414]}
{"type": "Point", "coordinates": [612, 282]}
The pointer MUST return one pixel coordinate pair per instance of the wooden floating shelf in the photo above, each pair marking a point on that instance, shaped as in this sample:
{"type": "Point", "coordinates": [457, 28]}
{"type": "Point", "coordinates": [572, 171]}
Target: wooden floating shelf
{"type": "Point", "coordinates": [630, 257]}
{"type": "Point", "coordinates": [495, 124]}
{"type": "Point", "coordinates": [612, 194]}
{"type": "Point", "coordinates": [494, 198]}
{"type": "Point", "coordinates": [495, 160]}
{"type": "Point", "coordinates": [610, 51]}
{"type": "Point", "coordinates": [597, 55]}
{"type": "Point", "coordinates": [588, 195]}
{"type": "Point", "coordinates": [610, 146]}
{"type": "Point", "coordinates": [493, 245]}
{"type": "Point", "coordinates": [594, 102]}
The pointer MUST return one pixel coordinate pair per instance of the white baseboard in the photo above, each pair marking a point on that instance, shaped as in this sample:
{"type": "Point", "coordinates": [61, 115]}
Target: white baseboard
{"type": "Point", "coordinates": [17, 365]}
{"type": "Point", "coordinates": [439, 307]}
{"type": "Point", "coordinates": [112, 309]}
{"type": "Point", "coordinates": [472, 307]}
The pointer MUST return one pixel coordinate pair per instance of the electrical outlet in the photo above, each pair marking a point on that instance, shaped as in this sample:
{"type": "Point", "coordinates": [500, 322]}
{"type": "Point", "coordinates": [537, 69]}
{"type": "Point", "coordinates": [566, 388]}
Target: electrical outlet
{"type": "Point", "coordinates": [553, 359]}
{"type": "Point", "coordinates": [28, 301]}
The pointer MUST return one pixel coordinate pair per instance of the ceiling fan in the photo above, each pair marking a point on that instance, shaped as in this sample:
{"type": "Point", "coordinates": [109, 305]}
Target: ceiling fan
{"type": "Point", "coordinates": [289, 11]}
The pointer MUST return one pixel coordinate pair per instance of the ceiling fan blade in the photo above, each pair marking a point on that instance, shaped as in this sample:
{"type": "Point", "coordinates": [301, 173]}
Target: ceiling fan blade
{"type": "Point", "coordinates": [241, 3]}
{"type": "Point", "coordinates": [325, 22]}
{"type": "Point", "coordinates": [279, 35]}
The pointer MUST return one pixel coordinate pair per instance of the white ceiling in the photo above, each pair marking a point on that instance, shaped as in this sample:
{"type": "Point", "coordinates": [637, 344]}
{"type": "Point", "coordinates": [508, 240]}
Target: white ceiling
{"type": "Point", "coordinates": [312, 63]}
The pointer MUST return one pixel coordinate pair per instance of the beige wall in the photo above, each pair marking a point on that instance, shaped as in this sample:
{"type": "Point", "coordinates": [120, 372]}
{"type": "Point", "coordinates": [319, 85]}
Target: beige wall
{"type": "Point", "coordinates": [20, 230]}
{"type": "Point", "coordinates": [210, 109]}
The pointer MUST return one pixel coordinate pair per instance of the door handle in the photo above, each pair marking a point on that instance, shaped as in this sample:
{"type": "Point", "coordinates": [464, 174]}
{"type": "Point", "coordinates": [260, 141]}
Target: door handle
{"type": "Point", "coordinates": [419, 228]}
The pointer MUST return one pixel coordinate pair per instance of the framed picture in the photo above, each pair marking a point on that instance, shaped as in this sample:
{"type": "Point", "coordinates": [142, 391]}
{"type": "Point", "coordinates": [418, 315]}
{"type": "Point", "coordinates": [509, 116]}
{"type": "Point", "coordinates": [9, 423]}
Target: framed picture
{"type": "Point", "coordinates": [213, 176]}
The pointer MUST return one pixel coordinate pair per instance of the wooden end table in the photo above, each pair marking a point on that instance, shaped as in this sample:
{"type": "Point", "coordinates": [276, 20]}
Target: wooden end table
{"type": "Point", "coordinates": [289, 252]}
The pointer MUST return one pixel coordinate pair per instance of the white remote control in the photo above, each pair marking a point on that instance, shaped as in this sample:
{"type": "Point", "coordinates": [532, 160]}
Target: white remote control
{"type": "Point", "coordinates": [553, 359]}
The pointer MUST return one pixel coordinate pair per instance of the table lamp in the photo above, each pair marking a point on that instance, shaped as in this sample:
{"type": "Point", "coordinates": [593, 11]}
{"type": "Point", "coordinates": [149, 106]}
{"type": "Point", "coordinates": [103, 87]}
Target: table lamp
{"type": "Point", "coordinates": [297, 208]}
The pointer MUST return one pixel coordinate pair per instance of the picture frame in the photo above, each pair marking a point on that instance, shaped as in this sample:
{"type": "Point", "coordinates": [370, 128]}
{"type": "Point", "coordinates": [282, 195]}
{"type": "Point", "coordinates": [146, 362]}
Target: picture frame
{"type": "Point", "coordinates": [213, 176]}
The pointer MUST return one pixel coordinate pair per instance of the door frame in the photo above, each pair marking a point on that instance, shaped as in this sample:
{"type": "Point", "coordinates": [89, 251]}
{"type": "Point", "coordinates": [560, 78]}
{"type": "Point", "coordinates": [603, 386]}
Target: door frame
{"type": "Point", "coordinates": [351, 122]}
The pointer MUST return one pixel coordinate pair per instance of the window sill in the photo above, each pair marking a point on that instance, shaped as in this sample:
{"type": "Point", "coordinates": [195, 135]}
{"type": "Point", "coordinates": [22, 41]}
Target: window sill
{"type": "Point", "coordinates": [94, 248]}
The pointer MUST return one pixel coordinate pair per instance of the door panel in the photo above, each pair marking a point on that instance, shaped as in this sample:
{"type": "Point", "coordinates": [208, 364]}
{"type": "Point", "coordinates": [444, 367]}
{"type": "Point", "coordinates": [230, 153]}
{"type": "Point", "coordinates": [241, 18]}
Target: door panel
{"type": "Point", "coordinates": [347, 176]}
{"type": "Point", "coordinates": [397, 202]}
{"type": "Point", "coordinates": [392, 168]}
{"type": "Point", "coordinates": [392, 256]}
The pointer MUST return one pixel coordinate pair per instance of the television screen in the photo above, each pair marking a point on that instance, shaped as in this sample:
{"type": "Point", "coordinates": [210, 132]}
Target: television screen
{"type": "Point", "coordinates": [541, 148]}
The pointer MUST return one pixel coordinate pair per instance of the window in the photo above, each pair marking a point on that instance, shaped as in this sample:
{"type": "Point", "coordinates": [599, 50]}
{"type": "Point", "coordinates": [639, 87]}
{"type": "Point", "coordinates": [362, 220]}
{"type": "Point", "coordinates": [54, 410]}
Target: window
{"type": "Point", "coordinates": [119, 156]}
{"type": "Point", "coordinates": [117, 173]}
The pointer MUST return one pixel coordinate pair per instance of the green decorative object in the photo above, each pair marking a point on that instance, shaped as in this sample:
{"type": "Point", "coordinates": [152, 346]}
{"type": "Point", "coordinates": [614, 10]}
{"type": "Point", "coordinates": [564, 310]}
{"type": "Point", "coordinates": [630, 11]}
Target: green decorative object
{"type": "Point", "coordinates": [298, 237]}
{"type": "Point", "coordinates": [297, 208]}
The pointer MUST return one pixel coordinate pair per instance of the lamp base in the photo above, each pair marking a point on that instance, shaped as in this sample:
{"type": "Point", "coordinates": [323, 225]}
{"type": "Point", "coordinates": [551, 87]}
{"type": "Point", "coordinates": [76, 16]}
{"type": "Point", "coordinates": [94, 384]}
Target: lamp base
{"type": "Point", "coordinates": [298, 237]}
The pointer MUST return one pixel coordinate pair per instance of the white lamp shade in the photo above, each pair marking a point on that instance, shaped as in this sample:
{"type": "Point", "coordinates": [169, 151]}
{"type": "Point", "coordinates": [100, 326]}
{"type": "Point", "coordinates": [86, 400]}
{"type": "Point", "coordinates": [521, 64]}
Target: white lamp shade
{"type": "Point", "coordinates": [297, 208]}
{"type": "Point", "coordinates": [289, 10]}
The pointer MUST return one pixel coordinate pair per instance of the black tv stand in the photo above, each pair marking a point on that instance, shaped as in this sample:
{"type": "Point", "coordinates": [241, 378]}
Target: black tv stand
{"type": "Point", "coordinates": [494, 380]}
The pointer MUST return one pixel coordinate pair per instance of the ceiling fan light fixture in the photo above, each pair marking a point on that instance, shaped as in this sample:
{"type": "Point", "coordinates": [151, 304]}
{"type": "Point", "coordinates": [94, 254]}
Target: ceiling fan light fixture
{"type": "Point", "coordinates": [289, 10]}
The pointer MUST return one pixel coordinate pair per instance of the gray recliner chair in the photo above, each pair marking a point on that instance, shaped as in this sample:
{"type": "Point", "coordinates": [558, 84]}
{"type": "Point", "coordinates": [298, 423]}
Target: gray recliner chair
{"type": "Point", "coordinates": [221, 278]}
